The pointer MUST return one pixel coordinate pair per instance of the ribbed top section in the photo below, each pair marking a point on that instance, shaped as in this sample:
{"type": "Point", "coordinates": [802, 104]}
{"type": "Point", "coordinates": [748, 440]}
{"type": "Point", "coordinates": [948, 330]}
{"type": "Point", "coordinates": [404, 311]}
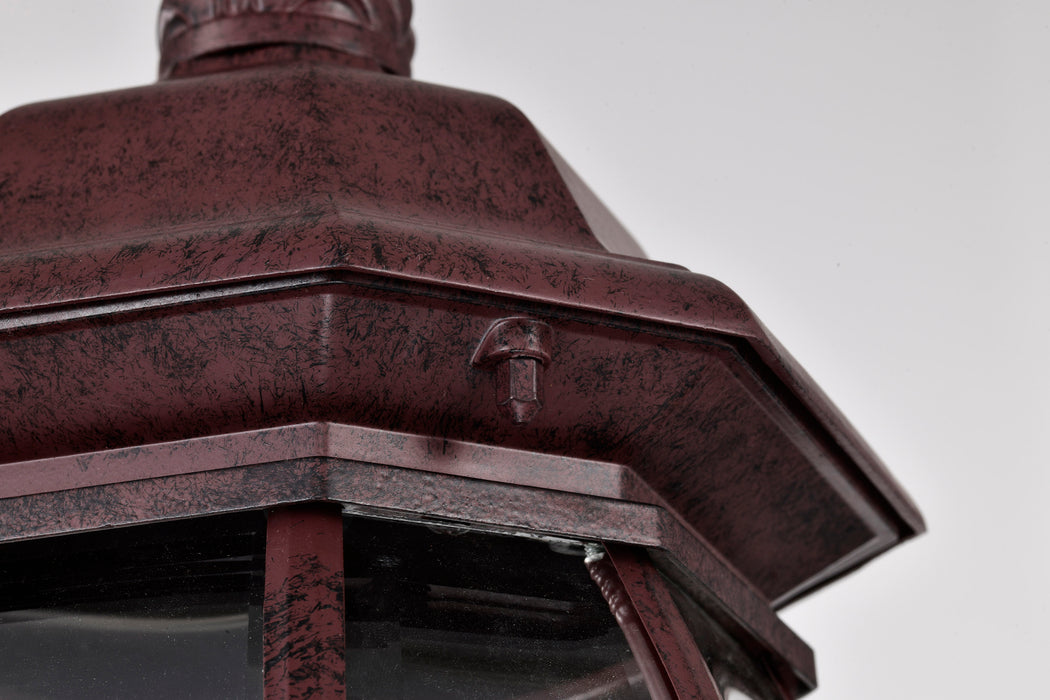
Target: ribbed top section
{"type": "Point", "coordinates": [203, 36]}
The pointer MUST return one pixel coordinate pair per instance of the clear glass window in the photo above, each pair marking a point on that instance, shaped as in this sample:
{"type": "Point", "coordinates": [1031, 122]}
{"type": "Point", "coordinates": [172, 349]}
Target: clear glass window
{"type": "Point", "coordinates": [153, 611]}
{"type": "Point", "coordinates": [438, 614]}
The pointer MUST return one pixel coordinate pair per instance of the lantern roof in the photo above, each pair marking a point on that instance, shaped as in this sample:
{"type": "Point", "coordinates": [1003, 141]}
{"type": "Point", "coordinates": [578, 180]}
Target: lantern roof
{"type": "Point", "coordinates": [287, 272]}
{"type": "Point", "coordinates": [396, 222]}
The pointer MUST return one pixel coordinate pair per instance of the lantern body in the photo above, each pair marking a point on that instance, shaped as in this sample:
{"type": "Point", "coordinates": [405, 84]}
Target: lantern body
{"type": "Point", "coordinates": [287, 277]}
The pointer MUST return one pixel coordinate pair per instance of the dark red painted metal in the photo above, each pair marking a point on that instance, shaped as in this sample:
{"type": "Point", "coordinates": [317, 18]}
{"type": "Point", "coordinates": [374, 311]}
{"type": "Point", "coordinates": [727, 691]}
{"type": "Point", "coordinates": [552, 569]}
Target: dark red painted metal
{"type": "Point", "coordinates": [268, 281]}
{"type": "Point", "coordinates": [378, 233]}
{"type": "Point", "coordinates": [517, 349]}
{"type": "Point", "coordinates": [653, 670]}
{"type": "Point", "coordinates": [205, 36]}
{"type": "Point", "coordinates": [303, 608]}
{"type": "Point", "coordinates": [644, 591]}
{"type": "Point", "coordinates": [662, 400]}
{"type": "Point", "coordinates": [456, 486]}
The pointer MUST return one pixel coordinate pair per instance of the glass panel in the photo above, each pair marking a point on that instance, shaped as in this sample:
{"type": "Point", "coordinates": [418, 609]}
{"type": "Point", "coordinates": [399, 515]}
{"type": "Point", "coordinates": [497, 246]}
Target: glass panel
{"type": "Point", "coordinates": [156, 611]}
{"type": "Point", "coordinates": [437, 614]}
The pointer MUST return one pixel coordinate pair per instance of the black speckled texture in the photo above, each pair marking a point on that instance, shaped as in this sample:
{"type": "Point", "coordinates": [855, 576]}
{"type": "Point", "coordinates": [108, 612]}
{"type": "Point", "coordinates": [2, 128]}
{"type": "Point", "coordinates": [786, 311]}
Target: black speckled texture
{"type": "Point", "coordinates": [303, 607]}
{"type": "Point", "coordinates": [315, 244]}
{"type": "Point", "coordinates": [450, 492]}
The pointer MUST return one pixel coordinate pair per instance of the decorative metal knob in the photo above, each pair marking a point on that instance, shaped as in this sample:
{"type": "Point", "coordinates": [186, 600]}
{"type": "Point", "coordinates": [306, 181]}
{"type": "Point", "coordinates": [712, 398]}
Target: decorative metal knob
{"type": "Point", "coordinates": [376, 31]}
{"type": "Point", "coordinates": [517, 349]}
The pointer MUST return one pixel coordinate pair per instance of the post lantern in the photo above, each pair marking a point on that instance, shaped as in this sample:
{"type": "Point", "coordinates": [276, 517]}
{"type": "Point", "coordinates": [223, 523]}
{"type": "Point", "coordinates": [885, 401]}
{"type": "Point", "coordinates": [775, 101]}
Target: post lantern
{"type": "Point", "coordinates": [318, 381]}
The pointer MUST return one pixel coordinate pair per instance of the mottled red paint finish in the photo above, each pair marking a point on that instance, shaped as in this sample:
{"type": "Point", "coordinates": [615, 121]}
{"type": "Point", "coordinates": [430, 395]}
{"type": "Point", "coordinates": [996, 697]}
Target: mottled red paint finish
{"type": "Point", "coordinates": [408, 217]}
{"type": "Point", "coordinates": [221, 452]}
{"type": "Point", "coordinates": [455, 486]}
{"type": "Point", "coordinates": [303, 608]}
{"type": "Point", "coordinates": [678, 407]}
{"type": "Point", "coordinates": [201, 36]}
{"type": "Point", "coordinates": [269, 281]}
{"type": "Point", "coordinates": [628, 617]}
{"type": "Point", "coordinates": [158, 498]}
{"type": "Point", "coordinates": [517, 349]}
{"type": "Point", "coordinates": [673, 645]}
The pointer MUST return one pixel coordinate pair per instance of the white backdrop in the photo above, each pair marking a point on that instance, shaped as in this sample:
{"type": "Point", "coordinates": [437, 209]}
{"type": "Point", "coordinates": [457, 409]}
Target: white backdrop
{"type": "Point", "coordinates": [871, 177]}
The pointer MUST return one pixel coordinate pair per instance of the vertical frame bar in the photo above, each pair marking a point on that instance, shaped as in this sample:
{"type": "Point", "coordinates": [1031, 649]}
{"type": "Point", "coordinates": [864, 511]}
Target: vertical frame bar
{"type": "Point", "coordinates": [653, 625]}
{"type": "Point", "coordinates": [608, 580]}
{"type": "Point", "coordinates": [303, 607]}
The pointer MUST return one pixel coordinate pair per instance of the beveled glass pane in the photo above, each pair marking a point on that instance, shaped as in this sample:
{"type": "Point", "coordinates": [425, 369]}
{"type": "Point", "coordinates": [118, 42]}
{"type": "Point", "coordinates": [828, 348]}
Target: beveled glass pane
{"type": "Point", "coordinates": [158, 611]}
{"type": "Point", "coordinates": [436, 614]}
